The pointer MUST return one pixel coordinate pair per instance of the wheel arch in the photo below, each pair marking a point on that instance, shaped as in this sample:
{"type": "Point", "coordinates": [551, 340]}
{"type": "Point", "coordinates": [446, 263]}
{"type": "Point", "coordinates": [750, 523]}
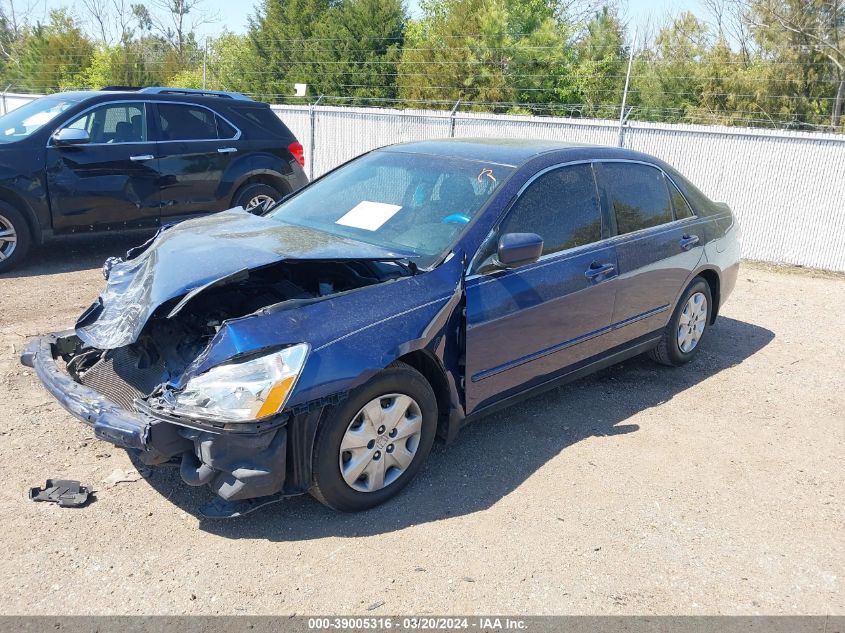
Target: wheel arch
{"type": "Point", "coordinates": [711, 276]}
{"type": "Point", "coordinates": [261, 177]}
{"type": "Point", "coordinates": [432, 370]}
{"type": "Point", "coordinates": [19, 204]}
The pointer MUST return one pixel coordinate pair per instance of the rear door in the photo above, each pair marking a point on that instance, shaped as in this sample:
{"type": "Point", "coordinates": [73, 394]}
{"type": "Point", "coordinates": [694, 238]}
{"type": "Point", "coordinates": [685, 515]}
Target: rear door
{"type": "Point", "coordinates": [110, 182]}
{"type": "Point", "coordinates": [526, 325]}
{"type": "Point", "coordinates": [658, 245]}
{"type": "Point", "coordinates": [195, 147]}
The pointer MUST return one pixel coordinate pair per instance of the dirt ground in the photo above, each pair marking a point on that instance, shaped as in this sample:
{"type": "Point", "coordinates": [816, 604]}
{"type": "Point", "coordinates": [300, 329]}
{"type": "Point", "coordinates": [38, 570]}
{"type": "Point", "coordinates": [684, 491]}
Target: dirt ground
{"type": "Point", "coordinates": [715, 488]}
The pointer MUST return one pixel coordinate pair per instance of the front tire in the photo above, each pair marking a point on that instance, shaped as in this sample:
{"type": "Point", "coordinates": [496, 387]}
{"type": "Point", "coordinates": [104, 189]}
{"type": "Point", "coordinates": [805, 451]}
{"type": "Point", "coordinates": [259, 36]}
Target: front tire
{"type": "Point", "coordinates": [15, 238]}
{"type": "Point", "coordinates": [690, 320]}
{"type": "Point", "coordinates": [369, 447]}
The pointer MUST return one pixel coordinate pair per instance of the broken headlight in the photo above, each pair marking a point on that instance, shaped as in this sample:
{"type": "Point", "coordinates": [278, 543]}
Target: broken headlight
{"type": "Point", "coordinates": [246, 391]}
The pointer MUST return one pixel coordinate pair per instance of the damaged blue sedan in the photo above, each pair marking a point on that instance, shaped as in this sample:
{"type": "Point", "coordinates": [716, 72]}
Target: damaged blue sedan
{"type": "Point", "coordinates": [322, 346]}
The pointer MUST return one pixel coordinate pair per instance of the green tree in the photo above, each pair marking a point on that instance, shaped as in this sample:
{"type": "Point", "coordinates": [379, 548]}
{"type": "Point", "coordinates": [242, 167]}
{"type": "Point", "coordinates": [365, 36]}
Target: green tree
{"type": "Point", "coordinates": [665, 84]}
{"type": "Point", "coordinates": [233, 64]}
{"type": "Point", "coordinates": [806, 39]}
{"type": "Point", "coordinates": [602, 63]}
{"type": "Point", "coordinates": [484, 51]}
{"type": "Point", "coordinates": [355, 49]}
{"type": "Point", "coordinates": [278, 34]}
{"type": "Point", "coordinates": [49, 57]}
{"type": "Point", "coordinates": [121, 65]}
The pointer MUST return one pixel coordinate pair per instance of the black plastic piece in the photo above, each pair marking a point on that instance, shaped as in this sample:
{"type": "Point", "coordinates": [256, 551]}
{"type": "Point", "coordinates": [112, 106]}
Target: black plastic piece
{"type": "Point", "coordinates": [66, 492]}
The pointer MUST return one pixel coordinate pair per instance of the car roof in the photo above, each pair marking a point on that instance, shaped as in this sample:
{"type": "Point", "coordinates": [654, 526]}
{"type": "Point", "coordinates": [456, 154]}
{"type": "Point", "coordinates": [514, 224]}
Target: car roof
{"type": "Point", "coordinates": [132, 94]}
{"type": "Point", "coordinates": [507, 151]}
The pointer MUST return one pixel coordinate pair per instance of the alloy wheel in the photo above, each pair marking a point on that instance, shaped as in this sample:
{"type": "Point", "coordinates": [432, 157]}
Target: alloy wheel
{"type": "Point", "coordinates": [692, 321]}
{"type": "Point", "coordinates": [257, 201]}
{"type": "Point", "coordinates": [380, 442]}
{"type": "Point", "coordinates": [8, 238]}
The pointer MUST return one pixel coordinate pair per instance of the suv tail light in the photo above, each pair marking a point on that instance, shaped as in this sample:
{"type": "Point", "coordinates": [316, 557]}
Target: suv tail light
{"type": "Point", "coordinates": [297, 152]}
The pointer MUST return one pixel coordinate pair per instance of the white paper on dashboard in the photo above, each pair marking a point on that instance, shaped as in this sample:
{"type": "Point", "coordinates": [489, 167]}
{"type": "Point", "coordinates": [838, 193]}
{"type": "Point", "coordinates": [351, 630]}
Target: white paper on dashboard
{"type": "Point", "coordinates": [368, 215]}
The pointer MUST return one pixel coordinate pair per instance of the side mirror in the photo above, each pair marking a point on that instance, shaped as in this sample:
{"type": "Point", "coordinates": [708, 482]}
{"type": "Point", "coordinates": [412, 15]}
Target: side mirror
{"type": "Point", "coordinates": [515, 249]}
{"type": "Point", "coordinates": [518, 249]}
{"type": "Point", "coordinates": [70, 136]}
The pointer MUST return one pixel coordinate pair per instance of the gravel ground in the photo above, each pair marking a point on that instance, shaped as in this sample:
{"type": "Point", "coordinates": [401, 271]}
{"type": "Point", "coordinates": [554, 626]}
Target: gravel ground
{"type": "Point", "coordinates": [715, 488]}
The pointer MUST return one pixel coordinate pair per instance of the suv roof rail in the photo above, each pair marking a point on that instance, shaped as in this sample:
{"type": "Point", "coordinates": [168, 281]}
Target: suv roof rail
{"type": "Point", "coordinates": [161, 90]}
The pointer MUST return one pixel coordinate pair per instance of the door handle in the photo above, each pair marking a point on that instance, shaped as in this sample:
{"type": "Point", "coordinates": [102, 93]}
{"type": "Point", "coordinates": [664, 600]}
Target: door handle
{"type": "Point", "coordinates": [688, 241]}
{"type": "Point", "coordinates": [138, 157]}
{"type": "Point", "coordinates": [598, 270]}
{"type": "Point", "coordinates": [226, 150]}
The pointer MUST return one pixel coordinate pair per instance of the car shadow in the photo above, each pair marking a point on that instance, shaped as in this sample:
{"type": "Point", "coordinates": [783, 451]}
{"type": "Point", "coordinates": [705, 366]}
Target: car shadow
{"type": "Point", "coordinates": [79, 252]}
{"type": "Point", "coordinates": [494, 455]}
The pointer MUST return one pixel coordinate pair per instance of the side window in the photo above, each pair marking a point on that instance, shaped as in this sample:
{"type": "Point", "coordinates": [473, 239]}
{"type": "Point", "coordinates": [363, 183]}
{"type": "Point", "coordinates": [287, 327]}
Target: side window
{"type": "Point", "coordinates": [114, 123]}
{"type": "Point", "coordinates": [679, 203]}
{"type": "Point", "coordinates": [224, 130]}
{"type": "Point", "coordinates": [186, 123]}
{"type": "Point", "coordinates": [561, 206]}
{"type": "Point", "coordinates": [638, 195]}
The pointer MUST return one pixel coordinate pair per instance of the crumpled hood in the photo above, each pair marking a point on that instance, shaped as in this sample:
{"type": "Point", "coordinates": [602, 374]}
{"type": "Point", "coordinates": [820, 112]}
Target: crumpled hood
{"type": "Point", "coordinates": [196, 253]}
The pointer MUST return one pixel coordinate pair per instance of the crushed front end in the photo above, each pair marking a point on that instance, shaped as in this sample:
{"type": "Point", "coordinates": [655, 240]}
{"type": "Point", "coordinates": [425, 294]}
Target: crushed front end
{"type": "Point", "coordinates": [158, 365]}
{"type": "Point", "coordinates": [238, 463]}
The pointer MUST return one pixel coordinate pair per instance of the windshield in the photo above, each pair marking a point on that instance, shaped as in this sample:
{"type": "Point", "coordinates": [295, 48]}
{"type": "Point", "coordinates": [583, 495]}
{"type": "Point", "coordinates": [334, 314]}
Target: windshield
{"type": "Point", "coordinates": [400, 201]}
{"type": "Point", "coordinates": [23, 121]}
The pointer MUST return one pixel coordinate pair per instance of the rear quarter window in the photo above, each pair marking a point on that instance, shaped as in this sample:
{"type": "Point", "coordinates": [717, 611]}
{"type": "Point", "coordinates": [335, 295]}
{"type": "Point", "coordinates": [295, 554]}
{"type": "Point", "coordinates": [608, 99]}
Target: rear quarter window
{"type": "Point", "coordinates": [262, 120]}
{"type": "Point", "coordinates": [679, 203]}
{"type": "Point", "coordinates": [701, 204]}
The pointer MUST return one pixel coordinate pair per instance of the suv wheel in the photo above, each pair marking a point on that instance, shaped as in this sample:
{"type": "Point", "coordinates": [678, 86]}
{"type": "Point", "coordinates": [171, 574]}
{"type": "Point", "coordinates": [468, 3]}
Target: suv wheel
{"type": "Point", "coordinates": [15, 239]}
{"type": "Point", "coordinates": [255, 196]}
{"type": "Point", "coordinates": [372, 444]}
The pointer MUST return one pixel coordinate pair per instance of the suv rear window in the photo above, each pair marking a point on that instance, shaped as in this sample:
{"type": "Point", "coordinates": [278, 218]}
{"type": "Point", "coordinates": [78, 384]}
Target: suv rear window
{"type": "Point", "coordinates": [263, 118]}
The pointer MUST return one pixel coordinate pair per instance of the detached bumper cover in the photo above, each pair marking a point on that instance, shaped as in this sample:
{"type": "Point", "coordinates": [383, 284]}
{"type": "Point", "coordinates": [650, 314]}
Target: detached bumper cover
{"type": "Point", "coordinates": [236, 466]}
{"type": "Point", "coordinates": [109, 421]}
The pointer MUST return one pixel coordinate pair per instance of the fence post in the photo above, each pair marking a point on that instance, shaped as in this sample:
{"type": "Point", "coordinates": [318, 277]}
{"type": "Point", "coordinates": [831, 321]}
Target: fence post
{"type": "Point", "coordinates": [622, 116]}
{"type": "Point", "coordinates": [5, 108]}
{"type": "Point", "coordinates": [311, 143]}
{"type": "Point", "coordinates": [204, 61]}
{"type": "Point", "coordinates": [452, 118]}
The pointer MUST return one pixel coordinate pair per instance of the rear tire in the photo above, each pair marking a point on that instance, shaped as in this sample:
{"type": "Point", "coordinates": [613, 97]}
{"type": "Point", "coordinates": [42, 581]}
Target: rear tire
{"type": "Point", "coordinates": [370, 446]}
{"type": "Point", "coordinates": [15, 237]}
{"type": "Point", "coordinates": [689, 323]}
{"type": "Point", "coordinates": [252, 196]}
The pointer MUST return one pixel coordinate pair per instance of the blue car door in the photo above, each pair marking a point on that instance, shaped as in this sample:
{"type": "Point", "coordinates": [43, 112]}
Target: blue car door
{"type": "Point", "coordinates": [658, 246]}
{"type": "Point", "coordinates": [526, 325]}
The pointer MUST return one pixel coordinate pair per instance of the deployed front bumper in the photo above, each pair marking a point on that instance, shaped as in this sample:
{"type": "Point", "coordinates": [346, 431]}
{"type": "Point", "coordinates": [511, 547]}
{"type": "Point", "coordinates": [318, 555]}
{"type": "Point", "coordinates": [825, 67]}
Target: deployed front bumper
{"type": "Point", "coordinates": [235, 465]}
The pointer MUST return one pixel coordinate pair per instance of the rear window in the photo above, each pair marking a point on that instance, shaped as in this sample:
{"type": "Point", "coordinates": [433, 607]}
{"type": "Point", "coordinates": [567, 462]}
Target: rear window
{"type": "Point", "coordinates": [262, 118]}
{"type": "Point", "coordinates": [638, 195]}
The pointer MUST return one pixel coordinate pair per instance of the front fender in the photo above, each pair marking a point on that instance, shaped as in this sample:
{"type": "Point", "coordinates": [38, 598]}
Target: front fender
{"type": "Point", "coordinates": [353, 335]}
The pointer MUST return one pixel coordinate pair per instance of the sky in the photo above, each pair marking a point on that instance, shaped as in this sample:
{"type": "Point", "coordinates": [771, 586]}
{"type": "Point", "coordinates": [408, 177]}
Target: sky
{"type": "Point", "coordinates": [234, 16]}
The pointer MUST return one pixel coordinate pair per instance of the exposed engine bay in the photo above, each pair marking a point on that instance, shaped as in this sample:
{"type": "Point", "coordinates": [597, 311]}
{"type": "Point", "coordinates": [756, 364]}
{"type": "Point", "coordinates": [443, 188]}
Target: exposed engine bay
{"type": "Point", "coordinates": [180, 329]}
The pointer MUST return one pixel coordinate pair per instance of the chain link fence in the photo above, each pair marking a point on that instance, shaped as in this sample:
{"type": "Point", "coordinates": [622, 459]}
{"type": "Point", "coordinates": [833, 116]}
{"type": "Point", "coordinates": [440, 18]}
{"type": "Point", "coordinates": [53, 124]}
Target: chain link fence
{"type": "Point", "coordinates": [786, 188]}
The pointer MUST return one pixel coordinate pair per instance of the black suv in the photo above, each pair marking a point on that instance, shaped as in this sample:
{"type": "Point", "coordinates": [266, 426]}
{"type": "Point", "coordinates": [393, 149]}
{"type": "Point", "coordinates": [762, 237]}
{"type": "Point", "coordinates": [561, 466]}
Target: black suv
{"type": "Point", "coordinates": [122, 158]}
